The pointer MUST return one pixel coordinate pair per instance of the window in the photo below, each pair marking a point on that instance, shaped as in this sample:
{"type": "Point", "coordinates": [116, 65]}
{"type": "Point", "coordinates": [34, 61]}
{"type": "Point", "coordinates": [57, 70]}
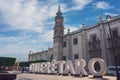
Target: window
{"type": "Point", "coordinates": [76, 56]}
{"type": "Point", "coordinates": [55, 32]}
{"type": "Point", "coordinates": [75, 41]}
{"type": "Point", "coordinates": [61, 31]}
{"type": "Point", "coordinates": [64, 44]}
{"type": "Point", "coordinates": [94, 39]}
{"type": "Point", "coordinates": [115, 33]}
{"type": "Point", "coordinates": [64, 57]}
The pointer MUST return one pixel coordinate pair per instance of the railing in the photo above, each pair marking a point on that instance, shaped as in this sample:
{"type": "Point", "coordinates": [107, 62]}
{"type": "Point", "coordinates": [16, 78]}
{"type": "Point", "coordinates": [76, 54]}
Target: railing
{"type": "Point", "coordinates": [94, 46]}
{"type": "Point", "coordinates": [94, 49]}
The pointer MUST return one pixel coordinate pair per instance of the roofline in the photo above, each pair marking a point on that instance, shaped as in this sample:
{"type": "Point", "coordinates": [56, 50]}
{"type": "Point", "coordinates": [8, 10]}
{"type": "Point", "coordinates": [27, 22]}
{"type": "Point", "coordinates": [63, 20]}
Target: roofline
{"type": "Point", "coordinates": [94, 25]}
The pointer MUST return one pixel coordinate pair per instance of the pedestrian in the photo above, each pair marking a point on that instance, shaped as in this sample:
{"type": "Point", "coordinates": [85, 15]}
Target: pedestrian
{"type": "Point", "coordinates": [22, 69]}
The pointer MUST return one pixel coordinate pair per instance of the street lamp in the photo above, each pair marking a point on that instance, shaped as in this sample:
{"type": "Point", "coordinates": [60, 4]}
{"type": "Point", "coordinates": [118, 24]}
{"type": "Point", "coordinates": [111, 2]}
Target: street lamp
{"type": "Point", "coordinates": [108, 18]}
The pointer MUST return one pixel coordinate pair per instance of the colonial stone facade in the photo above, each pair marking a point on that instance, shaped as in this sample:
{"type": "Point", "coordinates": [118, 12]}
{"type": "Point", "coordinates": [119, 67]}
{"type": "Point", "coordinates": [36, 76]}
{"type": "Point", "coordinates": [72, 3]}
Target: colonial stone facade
{"type": "Point", "coordinates": [88, 42]}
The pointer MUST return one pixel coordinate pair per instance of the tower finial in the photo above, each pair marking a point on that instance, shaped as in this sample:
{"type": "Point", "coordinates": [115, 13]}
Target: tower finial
{"type": "Point", "coordinates": [83, 24]}
{"type": "Point", "coordinates": [68, 30]}
{"type": "Point", "coordinates": [100, 19]}
{"type": "Point", "coordinates": [59, 10]}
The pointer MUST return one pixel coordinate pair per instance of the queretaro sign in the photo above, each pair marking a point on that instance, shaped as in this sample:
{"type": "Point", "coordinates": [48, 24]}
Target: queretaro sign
{"type": "Point", "coordinates": [66, 67]}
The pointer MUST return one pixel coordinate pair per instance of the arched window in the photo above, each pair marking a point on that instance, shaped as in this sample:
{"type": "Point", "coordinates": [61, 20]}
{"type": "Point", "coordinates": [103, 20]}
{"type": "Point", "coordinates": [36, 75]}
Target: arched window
{"type": "Point", "coordinates": [55, 31]}
{"type": "Point", "coordinates": [61, 31]}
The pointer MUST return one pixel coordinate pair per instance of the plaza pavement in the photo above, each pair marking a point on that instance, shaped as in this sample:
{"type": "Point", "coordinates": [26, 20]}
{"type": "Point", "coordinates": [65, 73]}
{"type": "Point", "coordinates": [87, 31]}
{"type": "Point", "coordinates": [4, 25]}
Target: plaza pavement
{"type": "Point", "coordinates": [32, 76]}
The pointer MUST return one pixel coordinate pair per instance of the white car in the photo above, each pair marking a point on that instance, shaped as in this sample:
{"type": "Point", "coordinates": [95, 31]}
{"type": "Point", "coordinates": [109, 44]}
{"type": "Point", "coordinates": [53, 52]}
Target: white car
{"type": "Point", "coordinates": [112, 70]}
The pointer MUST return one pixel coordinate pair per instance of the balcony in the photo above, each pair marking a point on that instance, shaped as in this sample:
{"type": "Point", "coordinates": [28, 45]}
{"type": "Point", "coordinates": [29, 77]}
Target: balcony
{"type": "Point", "coordinates": [94, 46]}
{"type": "Point", "coordinates": [94, 49]}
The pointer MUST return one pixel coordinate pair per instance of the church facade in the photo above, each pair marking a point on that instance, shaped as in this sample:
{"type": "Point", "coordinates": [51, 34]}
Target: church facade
{"type": "Point", "coordinates": [88, 42]}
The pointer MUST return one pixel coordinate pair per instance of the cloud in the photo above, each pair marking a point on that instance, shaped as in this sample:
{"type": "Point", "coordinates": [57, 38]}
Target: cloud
{"type": "Point", "coordinates": [47, 36]}
{"type": "Point", "coordinates": [27, 14]}
{"type": "Point", "coordinates": [9, 39]}
{"type": "Point", "coordinates": [36, 19]}
{"type": "Point", "coordinates": [102, 5]}
{"type": "Point", "coordinates": [22, 44]}
{"type": "Point", "coordinates": [78, 5]}
{"type": "Point", "coordinates": [33, 15]}
{"type": "Point", "coordinates": [15, 49]}
{"type": "Point", "coordinates": [11, 45]}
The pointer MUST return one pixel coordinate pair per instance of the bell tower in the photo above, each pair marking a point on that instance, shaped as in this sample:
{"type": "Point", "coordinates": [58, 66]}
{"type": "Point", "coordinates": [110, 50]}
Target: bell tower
{"type": "Point", "coordinates": [58, 35]}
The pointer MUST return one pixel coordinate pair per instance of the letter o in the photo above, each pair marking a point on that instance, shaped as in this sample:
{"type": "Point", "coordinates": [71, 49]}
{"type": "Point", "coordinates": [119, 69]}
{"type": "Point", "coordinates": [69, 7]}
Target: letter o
{"type": "Point", "coordinates": [103, 67]}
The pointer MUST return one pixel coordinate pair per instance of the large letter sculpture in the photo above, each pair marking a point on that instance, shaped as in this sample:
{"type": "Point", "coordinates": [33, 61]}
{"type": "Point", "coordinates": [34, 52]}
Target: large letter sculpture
{"type": "Point", "coordinates": [103, 67]}
{"type": "Point", "coordinates": [80, 67]}
{"type": "Point", "coordinates": [69, 67]}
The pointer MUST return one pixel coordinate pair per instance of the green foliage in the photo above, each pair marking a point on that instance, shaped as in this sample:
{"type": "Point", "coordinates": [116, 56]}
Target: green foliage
{"type": "Point", "coordinates": [26, 64]}
{"type": "Point", "coordinates": [7, 61]}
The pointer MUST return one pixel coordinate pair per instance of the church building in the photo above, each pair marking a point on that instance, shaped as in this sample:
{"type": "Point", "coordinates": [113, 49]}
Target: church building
{"type": "Point", "coordinates": [85, 43]}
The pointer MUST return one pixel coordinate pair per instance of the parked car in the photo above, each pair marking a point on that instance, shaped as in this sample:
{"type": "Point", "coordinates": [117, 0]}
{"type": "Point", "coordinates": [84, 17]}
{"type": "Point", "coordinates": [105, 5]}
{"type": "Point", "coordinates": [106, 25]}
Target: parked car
{"type": "Point", "coordinates": [112, 70]}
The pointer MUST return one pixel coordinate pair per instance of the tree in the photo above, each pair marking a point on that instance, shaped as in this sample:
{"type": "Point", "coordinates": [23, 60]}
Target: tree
{"type": "Point", "coordinates": [7, 61]}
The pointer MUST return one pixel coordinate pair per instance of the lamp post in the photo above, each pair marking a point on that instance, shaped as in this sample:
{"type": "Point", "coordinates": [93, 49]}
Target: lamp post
{"type": "Point", "coordinates": [108, 18]}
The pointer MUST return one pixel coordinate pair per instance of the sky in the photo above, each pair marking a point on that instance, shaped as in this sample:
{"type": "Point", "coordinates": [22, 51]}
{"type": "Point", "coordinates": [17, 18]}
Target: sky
{"type": "Point", "coordinates": [27, 25]}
